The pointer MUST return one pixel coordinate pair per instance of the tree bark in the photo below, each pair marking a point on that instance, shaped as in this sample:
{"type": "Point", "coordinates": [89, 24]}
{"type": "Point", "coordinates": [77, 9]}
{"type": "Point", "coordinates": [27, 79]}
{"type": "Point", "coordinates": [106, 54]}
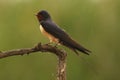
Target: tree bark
{"type": "Point", "coordinates": [61, 55]}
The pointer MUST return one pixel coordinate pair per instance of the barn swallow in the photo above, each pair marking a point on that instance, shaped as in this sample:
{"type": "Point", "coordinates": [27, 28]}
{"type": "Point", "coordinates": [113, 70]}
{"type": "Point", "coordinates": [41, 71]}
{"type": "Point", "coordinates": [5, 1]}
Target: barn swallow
{"type": "Point", "coordinates": [56, 34]}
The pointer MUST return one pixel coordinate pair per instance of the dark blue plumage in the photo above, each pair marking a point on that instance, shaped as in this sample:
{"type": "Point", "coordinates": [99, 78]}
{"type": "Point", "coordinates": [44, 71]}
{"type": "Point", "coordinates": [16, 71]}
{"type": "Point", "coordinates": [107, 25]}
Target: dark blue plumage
{"type": "Point", "coordinates": [54, 30]}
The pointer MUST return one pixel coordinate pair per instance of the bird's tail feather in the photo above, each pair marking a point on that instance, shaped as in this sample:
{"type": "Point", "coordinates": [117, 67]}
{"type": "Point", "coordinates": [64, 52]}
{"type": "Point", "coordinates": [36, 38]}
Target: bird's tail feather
{"type": "Point", "coordinates": [75, 46]}
{"type": "Point", "coordinates": [81, 48]}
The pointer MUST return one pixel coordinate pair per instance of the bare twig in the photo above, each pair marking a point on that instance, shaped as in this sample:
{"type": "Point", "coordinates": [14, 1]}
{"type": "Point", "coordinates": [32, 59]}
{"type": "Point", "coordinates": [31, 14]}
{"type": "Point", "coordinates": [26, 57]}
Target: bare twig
{"type": "Point", "coordinates": [61, 73]}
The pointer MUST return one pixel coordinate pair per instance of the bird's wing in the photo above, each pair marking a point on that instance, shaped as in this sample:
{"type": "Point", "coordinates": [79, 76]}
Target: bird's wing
{"type": "Point", "coordinates": [54, 30]}
{"type": "Point", "coordinates": [63, 37]}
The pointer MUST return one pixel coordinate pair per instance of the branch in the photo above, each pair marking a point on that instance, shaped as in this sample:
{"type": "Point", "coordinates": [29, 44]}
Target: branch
{"type": "Point", "coordinates": [61, 73]}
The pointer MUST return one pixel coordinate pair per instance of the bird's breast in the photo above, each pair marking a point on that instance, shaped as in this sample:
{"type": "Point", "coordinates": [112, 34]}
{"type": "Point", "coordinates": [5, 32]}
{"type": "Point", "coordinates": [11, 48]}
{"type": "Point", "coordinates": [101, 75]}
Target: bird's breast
{"type": "Point", "coordinates": [51, 37]}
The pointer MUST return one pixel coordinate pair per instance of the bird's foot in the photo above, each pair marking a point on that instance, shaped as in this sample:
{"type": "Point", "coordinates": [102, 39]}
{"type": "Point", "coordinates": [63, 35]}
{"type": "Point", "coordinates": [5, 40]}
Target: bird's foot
{"type": "Point", "coordinates": [56, 44]}
{"type": "Point", "coordinates": [48, 43]}
{"type": "Point", "coordinates": [53, 44]}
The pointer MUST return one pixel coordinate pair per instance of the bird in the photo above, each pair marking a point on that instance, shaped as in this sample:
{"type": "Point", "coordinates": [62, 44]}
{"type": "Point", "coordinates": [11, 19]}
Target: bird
{"type": "Point", "coordinates": [56, 34]}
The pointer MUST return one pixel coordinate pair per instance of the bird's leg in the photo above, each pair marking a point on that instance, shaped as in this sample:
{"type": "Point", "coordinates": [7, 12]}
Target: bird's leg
{"type": "Point", "coordinates": [48, 43]}
{"type": "Point", "coordinates": [56, 45]}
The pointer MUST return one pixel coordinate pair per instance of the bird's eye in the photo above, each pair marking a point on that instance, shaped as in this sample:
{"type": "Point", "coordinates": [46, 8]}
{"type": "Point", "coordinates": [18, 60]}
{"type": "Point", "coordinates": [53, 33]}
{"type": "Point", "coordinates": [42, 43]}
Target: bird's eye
{"type": "Point", "coordinates": [40, 17]}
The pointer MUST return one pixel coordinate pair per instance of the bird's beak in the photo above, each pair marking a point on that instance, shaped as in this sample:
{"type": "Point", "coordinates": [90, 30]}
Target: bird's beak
{"type": "Point", "coordinates": [36, 14]}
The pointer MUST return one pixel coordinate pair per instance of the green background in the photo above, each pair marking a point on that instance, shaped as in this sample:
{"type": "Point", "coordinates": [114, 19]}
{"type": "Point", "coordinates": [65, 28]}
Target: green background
{"type": "Point", "coordinates": [93, 23]}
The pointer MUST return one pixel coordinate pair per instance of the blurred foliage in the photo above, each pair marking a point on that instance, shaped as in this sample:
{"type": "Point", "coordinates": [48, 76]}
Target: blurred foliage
{"type": "Point", "coordinates": [94, 23]}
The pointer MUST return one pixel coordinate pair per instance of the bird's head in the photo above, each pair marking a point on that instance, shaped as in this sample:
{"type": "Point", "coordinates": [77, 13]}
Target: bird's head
{"type": "Point", "coordinates": [43, 15]}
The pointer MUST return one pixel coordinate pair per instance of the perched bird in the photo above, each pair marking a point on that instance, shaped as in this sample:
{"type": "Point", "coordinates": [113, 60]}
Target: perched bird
{"type": "Point", "coordinates": [56, 34]}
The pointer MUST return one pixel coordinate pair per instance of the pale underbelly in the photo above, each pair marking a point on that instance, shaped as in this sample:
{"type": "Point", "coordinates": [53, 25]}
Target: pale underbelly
{"type": "Point", "coordinates": [51, 38]}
